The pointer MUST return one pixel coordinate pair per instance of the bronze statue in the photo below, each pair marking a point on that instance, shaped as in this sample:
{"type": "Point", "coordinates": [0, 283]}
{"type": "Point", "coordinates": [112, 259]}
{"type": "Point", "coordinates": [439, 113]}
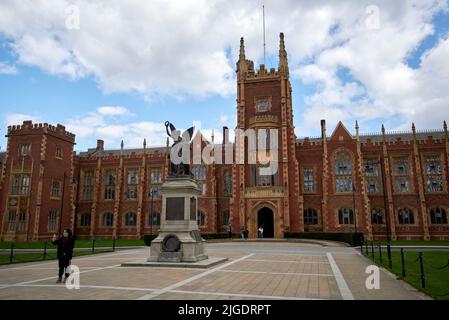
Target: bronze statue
{"type": "Point", "coordinates": [181, 169]}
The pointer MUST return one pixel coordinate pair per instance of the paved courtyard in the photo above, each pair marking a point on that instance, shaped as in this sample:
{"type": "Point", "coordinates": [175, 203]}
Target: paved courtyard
{"type": "Point", "coordinates": [254, 270]}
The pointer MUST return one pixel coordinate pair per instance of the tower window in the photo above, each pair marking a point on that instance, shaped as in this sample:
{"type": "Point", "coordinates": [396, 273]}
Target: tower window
{"type": "Point", "coordinates": [263, 104]}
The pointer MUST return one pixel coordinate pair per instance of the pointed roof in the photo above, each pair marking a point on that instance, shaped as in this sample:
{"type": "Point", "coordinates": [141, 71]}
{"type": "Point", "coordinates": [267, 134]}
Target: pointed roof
{"type": "Point", "coordinates": [340, 133]}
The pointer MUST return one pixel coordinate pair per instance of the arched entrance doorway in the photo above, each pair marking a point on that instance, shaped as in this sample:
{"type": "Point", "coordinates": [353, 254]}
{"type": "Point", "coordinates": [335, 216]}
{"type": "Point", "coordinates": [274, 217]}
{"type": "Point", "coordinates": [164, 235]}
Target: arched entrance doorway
{"type": "Point", "coordinates": [265, 218]}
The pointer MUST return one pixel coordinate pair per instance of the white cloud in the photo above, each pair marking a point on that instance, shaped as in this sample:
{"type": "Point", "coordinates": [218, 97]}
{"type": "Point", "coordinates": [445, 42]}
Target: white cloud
{"type": "Point", "coordinates": [113, 111]}
{"type": "Point", "coordinates": [18, 118]}
{"type": "Point", "coordinates": [7, 69]}
{"type": "Point", "coordinates": [189, 47]}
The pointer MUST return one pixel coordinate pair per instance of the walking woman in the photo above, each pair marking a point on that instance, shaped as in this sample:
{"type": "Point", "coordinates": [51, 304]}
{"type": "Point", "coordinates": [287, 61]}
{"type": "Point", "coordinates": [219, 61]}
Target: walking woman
{"type": "Point", "coordinates": [65, 252]}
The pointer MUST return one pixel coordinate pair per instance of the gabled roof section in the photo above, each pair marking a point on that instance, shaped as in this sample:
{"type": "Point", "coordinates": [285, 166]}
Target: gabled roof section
{"type": "Point", "coordinates": [341, 133]}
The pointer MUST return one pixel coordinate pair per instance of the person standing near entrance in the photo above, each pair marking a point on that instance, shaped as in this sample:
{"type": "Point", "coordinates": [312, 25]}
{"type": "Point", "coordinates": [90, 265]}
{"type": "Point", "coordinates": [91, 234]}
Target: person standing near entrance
{"type": "Point", "coordinates": [229, 231]}
{"type": "Point", "coordinates": [65, 252]}
{"type": "Point", "coordinates": [260, 232]}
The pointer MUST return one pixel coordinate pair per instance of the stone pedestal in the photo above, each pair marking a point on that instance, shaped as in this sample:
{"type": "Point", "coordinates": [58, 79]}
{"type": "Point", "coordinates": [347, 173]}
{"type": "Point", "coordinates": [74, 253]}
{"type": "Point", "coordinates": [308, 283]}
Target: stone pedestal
{"type": "Point", "coordinates": [179, 239]}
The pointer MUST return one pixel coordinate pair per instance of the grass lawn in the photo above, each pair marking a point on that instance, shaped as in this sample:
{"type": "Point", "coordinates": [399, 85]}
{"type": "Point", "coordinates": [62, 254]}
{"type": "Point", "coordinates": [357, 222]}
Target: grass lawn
{"type": "Point", "coordinates": [436, 281]}
{"type": "Point", "coordinates": [416, 243]}
{"type": "Point", "coordinates": [39, 256]}
{"type": "Point", "coordinates": [78, 244]}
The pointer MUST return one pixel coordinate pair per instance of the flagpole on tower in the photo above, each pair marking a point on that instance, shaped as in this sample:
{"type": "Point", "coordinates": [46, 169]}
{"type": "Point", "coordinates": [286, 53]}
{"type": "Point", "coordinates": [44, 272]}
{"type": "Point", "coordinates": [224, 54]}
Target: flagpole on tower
{"type": "Point", "coordinates": [263, 18]}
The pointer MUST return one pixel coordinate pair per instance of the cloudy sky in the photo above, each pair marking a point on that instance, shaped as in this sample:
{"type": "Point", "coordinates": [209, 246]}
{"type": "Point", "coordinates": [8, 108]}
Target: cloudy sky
{"type": "Point", "coordinates": [117, 70]}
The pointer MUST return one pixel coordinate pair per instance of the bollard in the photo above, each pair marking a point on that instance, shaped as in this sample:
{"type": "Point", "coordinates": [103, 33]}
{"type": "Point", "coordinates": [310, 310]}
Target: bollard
{"type": "Point", "coordinates": [372, 248]}
{"type": "Point", "coordinates": [11, 257]}
{"type": "Point", "coordinates": [366, 247]}
{"type": "Point", "coordinates": [113, 245]}
{"type": "Point", "coordinates": [361, 248]}
{"type": "Point", "coordinates": [93, 246]}
{"type": "Point", "coordinates": [403, 262]}
{"type": "Point", "coordinates": [423, 281]}
{"type": "Point", "coordinates": [45, 250]}
{"type": "Point", "coordinates": [389, 256]}
{"type": "Point", "coordinates": [380, 253]}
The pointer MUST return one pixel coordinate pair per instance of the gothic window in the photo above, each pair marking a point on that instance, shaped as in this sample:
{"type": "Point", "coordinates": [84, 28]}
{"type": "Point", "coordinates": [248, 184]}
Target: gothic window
{"type": "Point", "coordinates": [20, 185]}
{"type": "Point", "coordinates": [308, 180]}
{"type": "Point", "coordinates": [199, 173]}
{"type": "Point", "coordinates": [55, 189]}
{"type": "Point", "coordinates": [88, 186]}
{"type": "Point", "coordinates": [25, 185]}
{"type": "Point", "coordinates": [376, 216]}
{"type": "Point", "coordinates": [130, 219]}
{"type": "Point", "coordinates": [25, 149]}
{"type": "Point", "coordinates": [225, 218]}
{"type": "Point", "coordinates": [228, 183]}
{"type": "Point", "coordinates": [310, 216]}
{"type": "Point", "coordinates": [438, 216]}
{"type": "Point", "coordinates": [432, 171]}
{"type": "Point", "coordinates": [11, 219]}
{"type": "Point", "coordinates": [343, 172]}
{"type": "Point", "coordinates": [52, 220]}
{"type": "Point", "coordinates": [154, 219]}
{"type": "Point", "coordinates": [85, 219]}
{"type": "Point", "coordinates": [58, 152]}
{"type": "Point", "coordinates": [107, 219]}
{"type": "Point", "coordinates": [109, 189]}
{"type": "Point", "coordinates": [22, 221]}
{"type": "Point", "coordinates": [406, 216]}
{"type": "Point", "coordinates": [15, 188]}
{"type": "Point", "coordinates": [345, 216]}
{"type": "Point", "coordinates": [201, 218]}
{"type": "Point", "coordinates": [401, 176]}
{"type": "Point", "coordinates": [371, 169]}
{"type": "Point", "coordinates": [156, 175]}
{"type": "Point", "coordinates": [263, 104]}
{"type": "Point", "coordinates": [133, 177]}
{"type": "Point", "coordinates": [154, 192]}
{"type": "Point", "coordinates": [261, 180]}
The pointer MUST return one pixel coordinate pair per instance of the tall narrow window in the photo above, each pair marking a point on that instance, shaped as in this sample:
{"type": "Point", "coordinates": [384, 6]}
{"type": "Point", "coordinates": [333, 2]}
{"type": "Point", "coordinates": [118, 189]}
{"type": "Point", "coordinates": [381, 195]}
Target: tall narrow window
{"type": "Point", "coordinates": [225, 218]}
{"type": "Point", "coordinates": [108, 219]}
{"type": "Point", "coordinates": [58, 152]}
{"type": "Point", "coordinates": [405, 216]}
{"type": "Point", "coordinates": [55, 189]}
{"type": "Point", "coordinates": [15, 188]}
{"type": "Point", "coordinates": [345, 216]}
{"type": "Point", "coordinates": [434, 177]}
{"type": "Point", "coordinates": [308, 180]}
{"type": "Point", "coordinates": [199, 173]}
{"type": "Point", "coordinates": [52, 220]}
{"type": "Point", "coordinates": [109, 188]}
{"type": "Point", "coordinates": [343, 172]}
{"type": "Point", "coordinates": [133, 179]}
{"type": "Point", "coordinates": [438, 216]}
{"type": "Point", "coordinates": [130, 219]}
{"type": "Point", "coordinates": [22, 221]}
{"type": "Point", "coordinates": [12, 220]}
{"type": "Point", "coordinates": [201, 218]}
{"type": "Point", "coordinates": [85, 219]}
{"type": "Point", "coordinates": [228, 183]}
{"type": "Point", "coordinates": [263, 104]}
{"type": "Point", "coordinates": [371, 168]}
{"type": "Point", "coordinates": [401, 176]}
{"type": "Point", "coordinates": [156, 175]}
{"type": "Point", "coordinates": [88, 186]}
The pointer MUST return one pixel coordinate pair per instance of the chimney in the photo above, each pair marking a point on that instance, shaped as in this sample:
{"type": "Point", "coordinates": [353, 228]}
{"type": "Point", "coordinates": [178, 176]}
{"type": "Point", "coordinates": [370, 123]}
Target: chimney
{"type": "Point", "coordinates": [100, 145]}
{"type": "Point", "coordinates": [225, 135]}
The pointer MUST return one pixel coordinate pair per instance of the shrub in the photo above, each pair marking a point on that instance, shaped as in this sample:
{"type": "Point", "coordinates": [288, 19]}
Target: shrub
{"type": "Point", "coordinates": [147, 238]}
{"type": "Point", "coordinates": [352, 238]}
{"type": "Point", "coordinates": [208, 236]}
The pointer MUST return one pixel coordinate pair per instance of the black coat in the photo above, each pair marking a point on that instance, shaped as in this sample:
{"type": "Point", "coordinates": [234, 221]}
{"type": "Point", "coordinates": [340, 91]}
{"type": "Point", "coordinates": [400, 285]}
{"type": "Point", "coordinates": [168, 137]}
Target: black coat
{"type": "Point", "coordinates": [65, 247]}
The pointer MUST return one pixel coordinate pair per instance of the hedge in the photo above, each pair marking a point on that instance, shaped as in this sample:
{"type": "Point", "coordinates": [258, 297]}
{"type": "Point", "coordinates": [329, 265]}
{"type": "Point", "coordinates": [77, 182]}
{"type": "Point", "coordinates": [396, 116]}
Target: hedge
{"type": "Point", "coordinates": [147, 238]}
{"type": "Point", "coordinates": [352, 238]}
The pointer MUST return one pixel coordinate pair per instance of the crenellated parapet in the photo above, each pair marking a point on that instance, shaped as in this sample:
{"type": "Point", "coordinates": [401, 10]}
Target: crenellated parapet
{"type": "Point", "coordinates": [27, 127]}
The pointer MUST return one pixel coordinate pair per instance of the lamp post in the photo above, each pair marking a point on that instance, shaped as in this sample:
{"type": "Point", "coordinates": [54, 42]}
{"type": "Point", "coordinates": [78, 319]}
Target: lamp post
{"type": "Point", "coordinates": [151, 209]}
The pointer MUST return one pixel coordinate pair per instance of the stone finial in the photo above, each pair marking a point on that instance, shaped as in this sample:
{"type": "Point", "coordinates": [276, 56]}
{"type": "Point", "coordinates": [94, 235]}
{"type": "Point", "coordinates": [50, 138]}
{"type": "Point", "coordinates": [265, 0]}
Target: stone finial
{"type": "Point", "coordinates": [323, 129]}
{"type": "Point", "coordinates": [445, 128]}
{"type": "Point", "coordinates": [168, 142]}
{"type": "Point", "coordinates": [144, 144]}
{"type": "Point", "coordinates": [213, 136]}
{"type": "Point", "coordinates": [357, 129]}
{"type": "Point", "coordinates": [414, 130]}
{"type": "Point", "coordinates": [121, 147]}
{"type": "Point", "coordinates": [283, 61]}
{"type": "Point", "coordinates": [383, 129]}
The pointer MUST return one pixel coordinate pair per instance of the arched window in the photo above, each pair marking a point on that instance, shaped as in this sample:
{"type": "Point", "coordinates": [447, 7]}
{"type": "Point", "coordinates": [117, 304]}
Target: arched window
{"type": "Point", "coordinates": [310, 216]}
{"type": "Point", "coordinates": [376, 216]}
{"type": "Point", "coordinates": [201, 218]}
{"type": "Point", "coordinates": [438, 216]}
{"type": "Point", "coordinates": [343, 172]}
{"type": "Point", "coordinates": [346, 216]}
{"type": "Point", "coordinates": [85, 219]}
{"type": "Point", "coordinates": [228, 183]}
{"type": "Point", "coordinates": [405, 216]}
{"type": "Point", "coordinates": [155, 219]}
{"type": "Point", "coordinates": [130, 219]}
{"type": "Point", "coordinates": [108, 219]}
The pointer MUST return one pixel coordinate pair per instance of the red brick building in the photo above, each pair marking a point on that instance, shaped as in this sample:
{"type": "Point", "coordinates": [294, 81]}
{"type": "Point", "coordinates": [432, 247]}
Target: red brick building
{"type": "Point", "coordinates": [395, 183]}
